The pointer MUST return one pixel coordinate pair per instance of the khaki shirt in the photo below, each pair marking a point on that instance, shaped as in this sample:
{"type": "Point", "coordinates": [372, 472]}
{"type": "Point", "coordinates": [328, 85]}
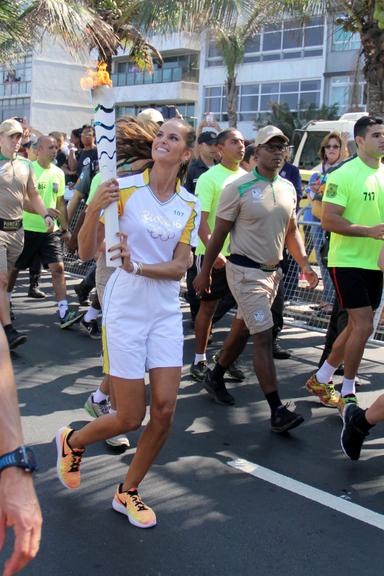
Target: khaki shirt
{"type": "Point", "coordinates": [16, 181]}
{"type": "Point", "coordinates": [260, 210]}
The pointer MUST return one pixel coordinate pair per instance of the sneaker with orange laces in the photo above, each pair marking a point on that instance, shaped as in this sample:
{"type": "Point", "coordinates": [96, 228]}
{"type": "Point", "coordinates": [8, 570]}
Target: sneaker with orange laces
{"type": "Point", "coordinates": [68, 459]}
{"type": "Point", "coordinates": [131, 505]}
{"type": "Point", "coordinates": [325, 392]}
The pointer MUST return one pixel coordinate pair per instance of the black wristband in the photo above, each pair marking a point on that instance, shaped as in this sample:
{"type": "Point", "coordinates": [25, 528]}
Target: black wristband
{"type": "Point", "coordinates": [47, 216]}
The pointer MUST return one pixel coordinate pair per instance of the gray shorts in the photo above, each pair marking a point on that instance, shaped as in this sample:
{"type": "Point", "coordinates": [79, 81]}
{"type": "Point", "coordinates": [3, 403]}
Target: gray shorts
{"type": "Point", "coordinates": [11, 246]}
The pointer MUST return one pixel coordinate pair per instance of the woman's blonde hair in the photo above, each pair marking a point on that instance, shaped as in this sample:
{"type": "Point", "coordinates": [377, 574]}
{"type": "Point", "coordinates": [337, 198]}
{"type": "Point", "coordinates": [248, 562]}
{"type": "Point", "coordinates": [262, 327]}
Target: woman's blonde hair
{"type": "Point", "coordinates": [343, 146]}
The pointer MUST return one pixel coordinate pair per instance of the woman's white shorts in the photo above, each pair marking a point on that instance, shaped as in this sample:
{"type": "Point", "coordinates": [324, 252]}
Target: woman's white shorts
{"type": "Point", "coordinates": [142, 325]}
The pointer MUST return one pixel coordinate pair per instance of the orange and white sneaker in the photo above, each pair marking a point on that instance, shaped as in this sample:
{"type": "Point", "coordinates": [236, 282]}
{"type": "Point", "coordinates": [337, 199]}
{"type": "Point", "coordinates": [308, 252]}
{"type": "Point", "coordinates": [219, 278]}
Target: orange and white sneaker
{"type": "Point", "coordinates": [130, 504]}
{"type": "Point", "coordinates": [325, 392]}
{"type": "Point", "coordinates": [68, 460]}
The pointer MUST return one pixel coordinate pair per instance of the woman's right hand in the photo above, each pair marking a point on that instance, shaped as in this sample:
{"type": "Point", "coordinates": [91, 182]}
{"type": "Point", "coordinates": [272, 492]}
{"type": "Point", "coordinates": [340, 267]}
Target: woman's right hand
{"type": "Point", "coordinates": [105, 194]}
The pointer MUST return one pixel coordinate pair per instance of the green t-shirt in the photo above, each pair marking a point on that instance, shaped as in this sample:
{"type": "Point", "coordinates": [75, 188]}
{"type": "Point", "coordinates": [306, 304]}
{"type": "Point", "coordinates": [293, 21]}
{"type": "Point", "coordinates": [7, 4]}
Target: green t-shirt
{"type": "Point", "coordinates": [209, 187]}
{"type": "Point", "coordinates": [359, 189]}
{"type": "Point", "coordinates": [50, 186]}
{"type": "Point", "coordinates": [96, 180]}
{"type": "Point", "coordinates": [94, 186]}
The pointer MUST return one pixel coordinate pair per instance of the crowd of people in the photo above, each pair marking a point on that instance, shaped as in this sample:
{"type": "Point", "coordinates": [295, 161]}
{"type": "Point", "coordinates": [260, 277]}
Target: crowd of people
{"type": "Point", "coordinates": [222, 213]}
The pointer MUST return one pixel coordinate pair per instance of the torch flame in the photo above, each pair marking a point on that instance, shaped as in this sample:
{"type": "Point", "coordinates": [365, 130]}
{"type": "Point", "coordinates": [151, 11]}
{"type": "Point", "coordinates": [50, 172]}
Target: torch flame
{"type": "Point", "coordinates": [95, 78]}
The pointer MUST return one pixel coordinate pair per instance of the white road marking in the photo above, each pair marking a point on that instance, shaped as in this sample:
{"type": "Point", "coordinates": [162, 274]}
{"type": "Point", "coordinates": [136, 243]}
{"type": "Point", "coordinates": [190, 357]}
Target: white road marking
{"type": "Point", "coordinates": [314, 494]}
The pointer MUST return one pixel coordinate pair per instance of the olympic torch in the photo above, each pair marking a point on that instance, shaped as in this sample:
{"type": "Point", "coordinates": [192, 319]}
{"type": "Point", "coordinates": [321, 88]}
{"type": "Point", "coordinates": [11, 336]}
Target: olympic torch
{"type": "Point", "coordinates": [104, 114]}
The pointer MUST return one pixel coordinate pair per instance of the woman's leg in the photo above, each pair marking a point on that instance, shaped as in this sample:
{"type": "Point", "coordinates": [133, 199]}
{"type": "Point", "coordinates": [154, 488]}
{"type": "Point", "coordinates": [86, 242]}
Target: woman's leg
{"type": "Point", "coordinates": [164, 386]}
{"type": "Point", "coordinates": [130, 406]}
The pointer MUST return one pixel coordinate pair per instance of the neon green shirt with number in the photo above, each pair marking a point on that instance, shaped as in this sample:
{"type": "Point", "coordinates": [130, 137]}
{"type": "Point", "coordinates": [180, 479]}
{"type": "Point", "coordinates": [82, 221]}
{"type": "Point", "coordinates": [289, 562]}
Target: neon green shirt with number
{"type": "Point", "coordinates": [359, 189]}
{"type": "Point", "coordinates": [209, 187]}
{"type": "Point", "coordinates": [50, 186]}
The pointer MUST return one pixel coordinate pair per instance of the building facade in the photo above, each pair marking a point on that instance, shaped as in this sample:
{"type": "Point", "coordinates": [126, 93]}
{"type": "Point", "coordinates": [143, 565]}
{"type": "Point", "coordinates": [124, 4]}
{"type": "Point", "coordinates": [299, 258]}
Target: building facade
{"type": "Point", "coordinates": [44, 87]}
{"type": "Point", "coordinates": [293, 63]}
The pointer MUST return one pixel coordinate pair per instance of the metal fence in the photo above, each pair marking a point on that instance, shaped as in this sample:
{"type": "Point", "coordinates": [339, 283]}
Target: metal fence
{"type": "Point", "coordinates": [304, 307]}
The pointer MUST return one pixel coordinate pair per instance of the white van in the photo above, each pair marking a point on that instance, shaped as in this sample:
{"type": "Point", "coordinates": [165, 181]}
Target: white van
{"type": "Point", "coordinates": [306, 141]}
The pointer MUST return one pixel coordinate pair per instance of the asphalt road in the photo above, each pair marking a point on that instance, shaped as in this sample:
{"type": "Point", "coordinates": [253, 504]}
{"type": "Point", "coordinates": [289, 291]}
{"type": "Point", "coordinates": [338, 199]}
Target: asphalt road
{"type": "Point", "coordinates": [212, 518]}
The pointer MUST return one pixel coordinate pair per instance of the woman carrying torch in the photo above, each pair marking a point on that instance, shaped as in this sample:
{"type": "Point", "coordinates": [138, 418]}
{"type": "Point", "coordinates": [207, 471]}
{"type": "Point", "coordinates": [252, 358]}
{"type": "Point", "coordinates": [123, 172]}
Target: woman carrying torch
{"type": "Point", "coordinates": [142, 322]}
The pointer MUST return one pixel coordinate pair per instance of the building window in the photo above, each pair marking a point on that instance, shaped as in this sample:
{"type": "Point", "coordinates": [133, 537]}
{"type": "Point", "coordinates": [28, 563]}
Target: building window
{"type": "Point", "coordinates": [286, 40]}
{"type": "Point", "coordinates": [15, 78]}
{"type": "Point", "coordinates": [348, 93]}
{"type": "Point", "coordinates": [10, 107]}
{"type": "Point", "coordinates": [187, 110]}
{"type": "Point", "coordinates": [174, 69]}
{"type": "Point", "coordinates": [343, 40]}
{"type": "Point", "coordinates": [255, 99]}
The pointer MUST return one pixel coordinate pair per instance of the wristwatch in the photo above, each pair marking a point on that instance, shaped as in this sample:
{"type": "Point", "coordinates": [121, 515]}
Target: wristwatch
{"type": "Point", "coordinates": [22, 457]}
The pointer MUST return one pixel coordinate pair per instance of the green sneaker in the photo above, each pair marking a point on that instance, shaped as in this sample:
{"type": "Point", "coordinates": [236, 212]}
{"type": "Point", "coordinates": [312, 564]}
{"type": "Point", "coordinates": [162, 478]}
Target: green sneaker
{"type": "Point", "coordinates": [197, 371]}
{"type": "Point", "coordinates": [344, 401]}
{"type": "Point", "coordinates": [234, 370]}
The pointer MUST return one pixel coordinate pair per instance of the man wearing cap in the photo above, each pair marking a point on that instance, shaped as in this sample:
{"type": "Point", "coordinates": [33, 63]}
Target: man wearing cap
{"type": "Point", "coordinates": [207, 155]}
{"type": "Point", "coordinates": [258, 211]}
{"type": "Point", "coordinates": [151, 115]}
{"type": "Point", "coordinates": [17, 191]}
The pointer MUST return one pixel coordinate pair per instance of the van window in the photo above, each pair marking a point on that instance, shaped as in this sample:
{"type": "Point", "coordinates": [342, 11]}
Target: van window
{"type": "Point", "coordinates": [310, 155]}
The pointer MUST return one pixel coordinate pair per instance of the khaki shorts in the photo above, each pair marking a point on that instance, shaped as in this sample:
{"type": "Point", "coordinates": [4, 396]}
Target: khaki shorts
{"type": "Point", "coordinates": [103, 274]}
{"type": "Point", "coordinates": [254, 292]}
{"type": "Point", "coordinates": [11, 246]}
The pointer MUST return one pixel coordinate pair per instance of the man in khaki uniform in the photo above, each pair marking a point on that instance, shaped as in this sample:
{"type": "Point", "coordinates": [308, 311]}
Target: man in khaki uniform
{"type": "Point", "coordinates": [17, 191]}
{"type": "Point", "coordinates": [258, 211]}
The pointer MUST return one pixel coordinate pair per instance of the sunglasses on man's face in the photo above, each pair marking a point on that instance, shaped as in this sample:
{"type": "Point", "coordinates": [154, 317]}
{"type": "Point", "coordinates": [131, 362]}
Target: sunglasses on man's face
{"type": "Point", "coordinates": [334, 146]}
{"type": "Point", "coordinates": [275, 147]}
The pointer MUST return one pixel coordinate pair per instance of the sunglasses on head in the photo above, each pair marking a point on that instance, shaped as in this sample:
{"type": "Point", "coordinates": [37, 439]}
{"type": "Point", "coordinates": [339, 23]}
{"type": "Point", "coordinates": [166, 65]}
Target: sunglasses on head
{"type": "Point", "coordinates": [275, 147]}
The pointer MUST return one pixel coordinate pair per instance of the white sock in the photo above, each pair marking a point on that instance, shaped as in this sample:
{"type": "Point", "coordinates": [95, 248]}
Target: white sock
{"type": "Point", "coordinates": [91, 314]}
{"type": "Point", "coordinates": [9, 296]}
{"type": "Point", "coordinates": [325, 373]}
{"type": "Point", "coordinates": [63, 307]}
{"type": "Point", "coordinates": [200, 358]}
{"type": "Point", "coordinates": [348, 387]}
{"type": "Point", "coordinates": [112, 412]}
{"type": "Point", "coordinates": [99, 396]}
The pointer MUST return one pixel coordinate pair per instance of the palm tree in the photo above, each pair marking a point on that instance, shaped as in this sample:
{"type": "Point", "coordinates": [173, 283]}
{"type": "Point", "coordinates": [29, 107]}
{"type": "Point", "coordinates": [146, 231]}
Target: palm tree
{"type": "Point", "coordinates": [231, 38]}
{"type": "Point", "coordinates": [109, 25]}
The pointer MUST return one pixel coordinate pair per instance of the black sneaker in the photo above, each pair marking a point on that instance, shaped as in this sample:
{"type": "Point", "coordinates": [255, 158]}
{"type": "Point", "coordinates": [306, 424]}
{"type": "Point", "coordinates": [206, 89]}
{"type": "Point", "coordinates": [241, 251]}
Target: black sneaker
{"type": "Point", "coordinates": [71, 317]}
{"type": "Point", "coordinates": [197, 371]}
{"type": "Point", "coordinates": [92, 328]}
{"type": "Point", "coordinates": [283, 420]}
{"type": "Point", "coordinates": [217, 390]}
{"type": "Point", "coordinates": [234, 370]}
{"type": "Point", "coordinates": [352, 435]}
{"type": "Point", "coordinates": [15, 338]}
{"type": "Point", "coordinates": [278, 352]}
{"type": "Point", "coordinates": [35, 292]}
{"type": "Point", "coordinates": [82, 294]}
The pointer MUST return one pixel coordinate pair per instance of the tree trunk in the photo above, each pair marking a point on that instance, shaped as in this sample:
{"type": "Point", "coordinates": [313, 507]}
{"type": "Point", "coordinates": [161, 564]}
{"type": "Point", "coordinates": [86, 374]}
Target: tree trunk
{"type": "Point", "coordinates": [372, 39]}
{"type": "Point", "coordinates": [232, 100]}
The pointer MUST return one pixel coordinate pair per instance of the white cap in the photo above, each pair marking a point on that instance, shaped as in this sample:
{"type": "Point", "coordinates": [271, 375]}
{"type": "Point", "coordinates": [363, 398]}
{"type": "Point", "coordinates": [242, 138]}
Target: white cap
{"type": "Point", "coordinates": [151, 114]}
{"type": "Point", "coordinates": [11, 127]}
{"type": "Point", "coordinates": [266, 134]}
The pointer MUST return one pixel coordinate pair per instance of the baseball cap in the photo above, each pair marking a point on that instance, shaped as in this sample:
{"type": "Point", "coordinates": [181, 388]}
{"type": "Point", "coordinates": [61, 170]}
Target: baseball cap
{"type": "Point", "coordinates": [266, 134]}
{"type": "Point", "coordinates": [151, 114]}
{"type": "Point", "coordinates": [207, 138]}
{"type": "Point", "coordinates": [11, 127]}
